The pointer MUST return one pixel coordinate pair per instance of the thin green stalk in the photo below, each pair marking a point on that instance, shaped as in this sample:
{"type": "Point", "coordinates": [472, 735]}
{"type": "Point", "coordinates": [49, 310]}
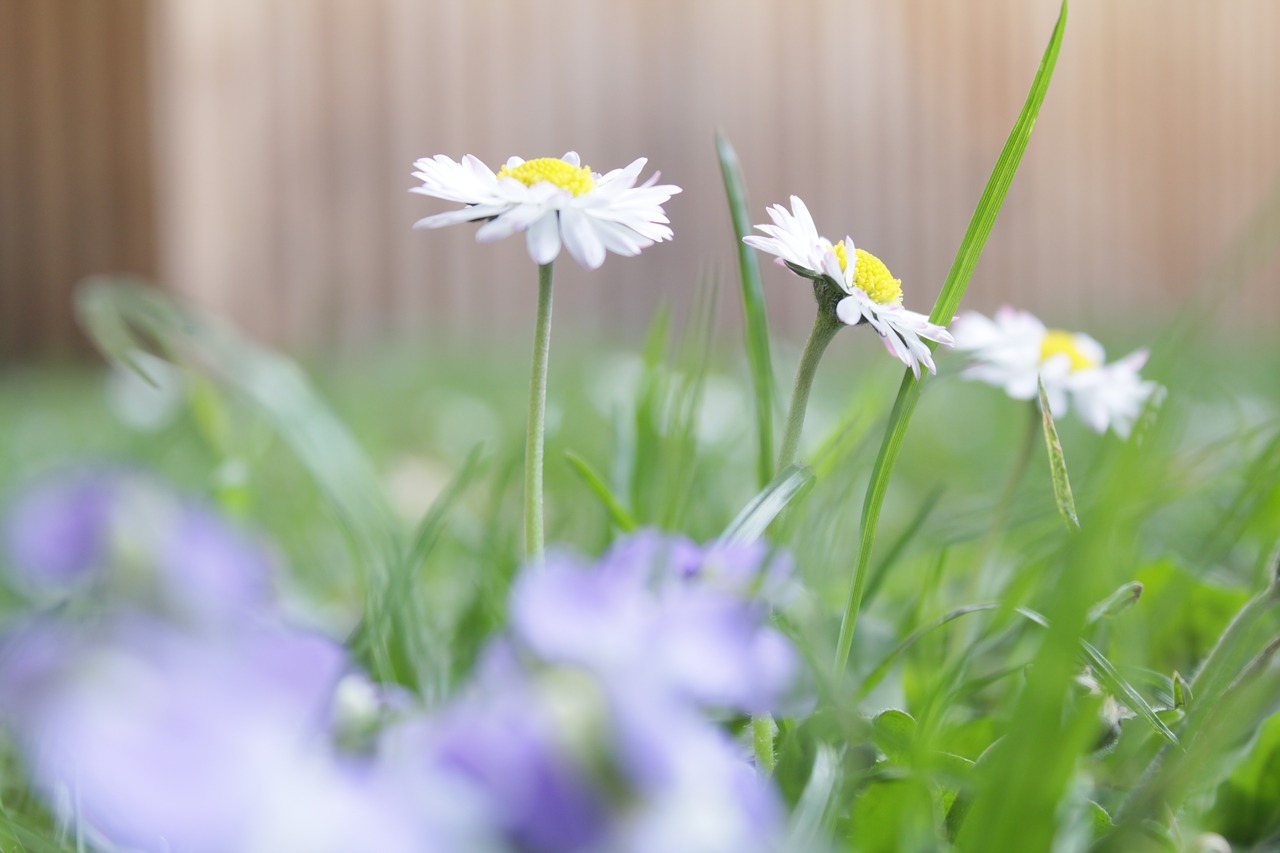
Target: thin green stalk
{"type": "Point", "coordinates": [825, 326]}
{"type": "Point", "coordinates": [535, 437]}
{"type": "Point", "coordinates": [1016, 475]}
{"type": "Point", "coordinates": [944, 309]}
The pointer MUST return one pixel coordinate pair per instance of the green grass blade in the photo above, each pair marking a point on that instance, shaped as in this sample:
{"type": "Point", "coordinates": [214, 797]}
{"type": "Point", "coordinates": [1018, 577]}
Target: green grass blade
{"type": "Point", "coordinates": [1116, 684]}
{"type": "Point", "coordinates": [755, 321]}
{"type": "Point", "coordinates": [395, 631]}
{"type": "Point", "coordinates": [1057, 464]}
{"type": "Point", "coordinates": [944, 310]}
{"type": "Point", "coordinates": [1111, 679]}
{"type": "Point", "coordinates": [601, 490]}
{"type": "Point", "coordinates": [751, 523]}
{"type": "Point", "coordinates": [110, 310]}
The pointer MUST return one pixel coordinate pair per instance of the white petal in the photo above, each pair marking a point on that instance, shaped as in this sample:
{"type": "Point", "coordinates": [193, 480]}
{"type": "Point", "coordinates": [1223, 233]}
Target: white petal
{"type": "Point", "coordinates": [518, 218]}
{"type": "Point", "coordinates": [849, 311]}
{"type": "Point", "coordinates": [543, 238]}
{"type": "Point", "coordinates": [466, 214]}
{"type": "Point", "coordinates": [580, 238]}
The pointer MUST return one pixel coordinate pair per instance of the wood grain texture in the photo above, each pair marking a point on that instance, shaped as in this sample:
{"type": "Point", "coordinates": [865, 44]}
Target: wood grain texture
{"type": "Point", "coordinates": [284, 133]}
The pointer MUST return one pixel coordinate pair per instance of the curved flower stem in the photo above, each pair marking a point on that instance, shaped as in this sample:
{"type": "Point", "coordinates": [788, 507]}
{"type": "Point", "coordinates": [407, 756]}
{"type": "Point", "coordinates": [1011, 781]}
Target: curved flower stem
{"type": "Point", "coordinates": [825, 326]}
{"type": "Point", "coordinates": [535, 436]}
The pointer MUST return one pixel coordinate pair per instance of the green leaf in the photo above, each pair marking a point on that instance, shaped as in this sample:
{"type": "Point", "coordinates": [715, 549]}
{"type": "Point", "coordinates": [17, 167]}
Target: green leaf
{"type": "Point", "coordinates": [596, 483]}
{"type": "Point", "coordinates": [944, 310]}
{"type": "Point", "coordinates": [1245, 810]}
{"type": "Point", "coordinates": [755, 320]}
{"type": "Point", "coordinates": [1057, 464]}
{"type": "Point", "coordinates": [894, 732]}
{"type": "Point", "coordinates": [893, 815]}
{"type": "Point", "coordinates": [751, 523]}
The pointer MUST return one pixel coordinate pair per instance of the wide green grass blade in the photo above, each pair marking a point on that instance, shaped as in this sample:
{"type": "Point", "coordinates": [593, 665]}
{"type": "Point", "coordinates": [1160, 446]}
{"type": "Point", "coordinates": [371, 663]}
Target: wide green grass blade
{"type": "Point", "coordinates": [944, 310]}
{"type": "Point", "coordinates": [751, 523]}
{"type": "Point", "coordinates": [755, 321]}
{"type": "Point", "coordinates": [1057, 464]}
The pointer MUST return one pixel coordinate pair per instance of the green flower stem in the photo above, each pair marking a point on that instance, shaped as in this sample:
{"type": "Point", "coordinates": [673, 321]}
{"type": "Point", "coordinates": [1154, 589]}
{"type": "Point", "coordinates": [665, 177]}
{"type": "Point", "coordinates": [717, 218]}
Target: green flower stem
{"type": "Point", "coordinates": [1016, 475]}
{"type": "Point", "coordinates": [825, 326]}
{"type": "Point", "coordinates": [535, 437]}
{"type": "Point", "coordinates": [763, 733]}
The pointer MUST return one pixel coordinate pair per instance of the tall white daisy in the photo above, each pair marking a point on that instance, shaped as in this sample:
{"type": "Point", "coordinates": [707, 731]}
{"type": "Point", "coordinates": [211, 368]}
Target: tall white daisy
{"type": "Point", "coordinates": [868, 291]}
{"type": "Point", "coordinates": [554, 201]}
{"type": "Point", "coordinates": [1013, 349]}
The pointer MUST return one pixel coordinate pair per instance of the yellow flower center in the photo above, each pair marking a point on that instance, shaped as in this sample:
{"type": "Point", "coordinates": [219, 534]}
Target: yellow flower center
{"type": "Point", "coordinates": [1057, 341]}
{"type": "Point", "coordinates": [871, 275]}
{"type": "Point", "coordinates": [553, 170]}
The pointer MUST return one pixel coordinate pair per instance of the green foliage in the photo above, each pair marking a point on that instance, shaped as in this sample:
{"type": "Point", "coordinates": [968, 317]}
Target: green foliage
{"type": "Point", "coordinates": [1015, 684]}
{"type": "Point", "coordinates": [755, 322]}
{"type": "Point", "coordinates": [1245, 809]}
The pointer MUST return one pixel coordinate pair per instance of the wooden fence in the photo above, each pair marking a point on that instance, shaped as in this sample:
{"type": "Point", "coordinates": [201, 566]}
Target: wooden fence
{"type": "Point", "coordinates": [284, 132]}
{"type": "Point", "coordinates": [75, 160]}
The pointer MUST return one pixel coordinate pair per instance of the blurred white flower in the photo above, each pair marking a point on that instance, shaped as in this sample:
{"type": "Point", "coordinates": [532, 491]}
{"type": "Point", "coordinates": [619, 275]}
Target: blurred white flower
{"type": "Point", "coordinates": [554, 200]}
{"type": "Point", "coordinates": [871, 292]}
{"type": "Point", "coordinates": [1014, 349]}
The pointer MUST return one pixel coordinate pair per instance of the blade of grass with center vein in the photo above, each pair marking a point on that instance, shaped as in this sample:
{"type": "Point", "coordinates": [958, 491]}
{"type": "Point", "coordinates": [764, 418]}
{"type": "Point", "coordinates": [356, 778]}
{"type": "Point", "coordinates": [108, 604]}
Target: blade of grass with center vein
{"type": "Point", "coordinates": [944, 309]}
{"type": "Point", "coordinates": [1057, 464]}
{"type": "Point", "coordinates": [755, 322]}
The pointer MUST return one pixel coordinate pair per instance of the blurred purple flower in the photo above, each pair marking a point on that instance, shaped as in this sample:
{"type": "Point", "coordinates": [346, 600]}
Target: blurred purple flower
{"type": "Point", "coordinates": [168, 741]}
{"type": "Point", "coordinates": [130, 537]}
{"type": "Point", "coordinates": [55, 534]}
{"type": "Point", "coordinates": [662, 612]}
{"type": "Point", "coordinates": [569, 764]}
{"type": "Point", "coordinates": [508, 747]}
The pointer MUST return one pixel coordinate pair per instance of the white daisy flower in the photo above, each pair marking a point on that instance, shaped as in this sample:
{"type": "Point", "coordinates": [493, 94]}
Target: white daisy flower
{"type": "Point", "coordinates": [870, 292]}
{"type": "Point", "coordinates": [554, 200]}
{"type": "Point", "coordinates": [1014, 349]}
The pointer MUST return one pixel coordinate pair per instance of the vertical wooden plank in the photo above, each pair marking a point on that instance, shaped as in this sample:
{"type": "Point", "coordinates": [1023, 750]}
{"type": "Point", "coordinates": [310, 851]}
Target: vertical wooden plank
{"type": "Point", "coordinates": [50, 152]}
{"type": "Point", "coordinates": [122, 58]}
{"type": "Point", "coordinates": [13, 286]}
{"type": "Point", "coordinates": [360, 211]}
{"type": "Point", "coordinates": [301, 157]}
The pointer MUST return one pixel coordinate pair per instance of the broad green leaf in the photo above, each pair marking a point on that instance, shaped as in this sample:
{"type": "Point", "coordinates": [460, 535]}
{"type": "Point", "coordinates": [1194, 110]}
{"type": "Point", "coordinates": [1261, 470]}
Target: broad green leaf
{"type": "Point", "coordinates": [894, 732]}
{"type": "Point", "coordinates": [755, 320]}
{"type": "Point", "coordinates": [893, 815]}
{"type": "Point", "coordinates": [1247, 807]}
{"type": "Point", "coordinates": [944, 310]}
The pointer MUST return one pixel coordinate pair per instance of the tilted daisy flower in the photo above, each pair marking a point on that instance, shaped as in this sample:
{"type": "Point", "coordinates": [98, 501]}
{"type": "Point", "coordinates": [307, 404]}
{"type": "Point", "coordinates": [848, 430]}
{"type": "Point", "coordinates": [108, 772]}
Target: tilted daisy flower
{"type": "Point", "coordinates": [554, 200]}
{"type": "Point", "coordinates": [868, 292]}
{"type": "Point", "coordinates": [1015, 351]}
